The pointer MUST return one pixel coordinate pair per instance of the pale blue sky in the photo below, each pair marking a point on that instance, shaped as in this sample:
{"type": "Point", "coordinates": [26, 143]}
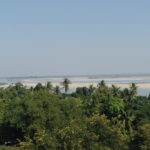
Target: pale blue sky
{"type": "Point", "coordinates": [64, 37]}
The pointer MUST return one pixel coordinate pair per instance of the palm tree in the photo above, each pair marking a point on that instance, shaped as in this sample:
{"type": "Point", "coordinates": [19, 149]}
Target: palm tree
{"type": "Point", "coordinates": [49, 85]}
{"type": "Point", "coordinates": [115, 90]}
{"type": "Point", "coordinates": [103, 90]}
{"type": "Point", "coordinates": [133, 90]}
{"type": "Point", "coordinates": [57, 90]}
{"type": "Point", "coordinates": [101, 84]}
{"type": "Point", "coordinates": [91, 89]}
{"type": "Point", "coordinates": [129, 94]}
{"type": "Point", "coordinates": [125, 94]}
{"type": "Point", "coordinates": [128, 118]}
{"type": "Point", "coordinates": [65, 84]}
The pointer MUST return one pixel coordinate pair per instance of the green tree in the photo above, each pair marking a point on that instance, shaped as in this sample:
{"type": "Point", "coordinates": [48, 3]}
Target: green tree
{"type": "Point", "coordinates": [57, 90]}
{"type": "Point", "coordinates": [114, 107]}
{"type": "Point", "coordinates": [49, 85]}
{"type": "Point", "coordinates": [65, 84]}
{"type": "Point", "coordinates": [143, 137]}
{"type": "Point", "coordinates": [71, 137]}
{"type": "Point", "coordinates": [115, 91]}
{"type": "Point", "coordinates": [39, 86]}
{"type": "Point", "coordinates": [109, 136]}
{"type": "Point", "coordinates": [101, 94]}
{"type": "Point", "coordinates": [132, 91]}
{"type": "Point", "coordinates": [91, 89]}
{"type": "Point", "coordinates": [129, 94]}
{"type": "Point", "coordinates": [41, 141]}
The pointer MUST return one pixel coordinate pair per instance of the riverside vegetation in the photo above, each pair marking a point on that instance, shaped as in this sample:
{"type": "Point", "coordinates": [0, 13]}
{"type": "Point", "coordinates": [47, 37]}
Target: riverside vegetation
{"type": "Point", "coordinates": [93, 118]}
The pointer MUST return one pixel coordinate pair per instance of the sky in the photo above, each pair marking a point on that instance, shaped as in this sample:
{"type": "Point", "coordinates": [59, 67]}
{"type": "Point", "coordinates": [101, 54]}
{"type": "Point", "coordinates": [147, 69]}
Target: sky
{"type": "Point", "coordinates": [80, 37]}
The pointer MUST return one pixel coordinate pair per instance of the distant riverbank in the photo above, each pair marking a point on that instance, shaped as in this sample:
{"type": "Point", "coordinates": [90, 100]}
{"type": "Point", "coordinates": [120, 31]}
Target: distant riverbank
{"type": "Point", "coordinates": [122, 81]}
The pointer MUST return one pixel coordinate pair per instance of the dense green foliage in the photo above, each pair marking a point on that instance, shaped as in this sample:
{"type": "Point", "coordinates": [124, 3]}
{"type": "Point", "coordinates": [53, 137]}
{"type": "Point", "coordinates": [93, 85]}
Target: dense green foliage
{"type": "Point", "coordinates": [9, 148]}
{"type": "Point", "coordinates": [101, 118]}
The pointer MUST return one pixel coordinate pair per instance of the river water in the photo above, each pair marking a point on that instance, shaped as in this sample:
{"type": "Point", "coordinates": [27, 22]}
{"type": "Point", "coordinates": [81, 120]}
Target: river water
{"type": "Point", "coordinates": [123, 81]}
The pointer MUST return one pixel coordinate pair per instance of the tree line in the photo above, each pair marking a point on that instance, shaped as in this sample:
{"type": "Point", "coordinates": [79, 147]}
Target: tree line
{"type": "Point", "coordinates": [91, 118]}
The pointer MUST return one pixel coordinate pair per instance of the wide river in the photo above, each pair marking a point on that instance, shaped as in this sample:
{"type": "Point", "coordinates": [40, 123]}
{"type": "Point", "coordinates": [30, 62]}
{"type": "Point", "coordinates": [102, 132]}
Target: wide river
{"type": "Point", "coordinates": [123, 81]}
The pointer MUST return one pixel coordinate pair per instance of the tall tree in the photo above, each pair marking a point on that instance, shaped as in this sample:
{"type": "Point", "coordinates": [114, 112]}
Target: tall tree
{"type": "Point", "coordinates": [49, 85]}
{"type": "Point", "coordinates": [91, 89]}
{"type": "Point", "coordinates": [115, 90]}
{"type": "Point", "coordinates": [101, 84]}
{"type": "Point", "coordinates": [65, 84]}
{"type": "Point", "coordinates": [129, 94]}
{"type": "Point", "coordinates": [133, 91]}
{"type": "Point", "coordinates": [57, 90]}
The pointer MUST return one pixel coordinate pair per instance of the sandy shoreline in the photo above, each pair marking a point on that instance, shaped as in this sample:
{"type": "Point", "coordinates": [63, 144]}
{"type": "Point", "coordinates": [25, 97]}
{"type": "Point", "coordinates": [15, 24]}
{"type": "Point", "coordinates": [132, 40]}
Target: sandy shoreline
{"type": "Point", "coordinates": [75, 85]}
{"type": "Point", "coordinates": [143, 82]}
{"type": "Point", "coordinates": [123, 82]}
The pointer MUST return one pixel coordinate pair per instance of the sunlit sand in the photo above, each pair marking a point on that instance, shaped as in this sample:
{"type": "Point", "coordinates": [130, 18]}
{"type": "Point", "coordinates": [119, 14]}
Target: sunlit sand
{"type": "Point", "coordinates": [143, 82]}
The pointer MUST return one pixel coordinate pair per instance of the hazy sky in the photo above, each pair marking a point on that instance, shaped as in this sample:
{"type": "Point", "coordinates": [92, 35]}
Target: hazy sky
{"type": "Point", "coordinates": [64, 37]}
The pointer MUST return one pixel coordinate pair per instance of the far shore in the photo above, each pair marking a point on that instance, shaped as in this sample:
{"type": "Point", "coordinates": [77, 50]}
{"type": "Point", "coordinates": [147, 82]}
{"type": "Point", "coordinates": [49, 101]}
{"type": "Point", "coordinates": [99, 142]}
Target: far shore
{"type": "Point", "coordinates": [75, 85]}
{"type": "Point", "coordinates": [142, 82]}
